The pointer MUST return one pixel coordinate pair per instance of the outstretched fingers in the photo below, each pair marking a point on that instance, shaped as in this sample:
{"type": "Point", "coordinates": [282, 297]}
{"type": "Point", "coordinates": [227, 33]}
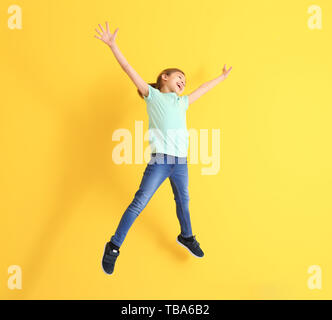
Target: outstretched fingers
{"type": "Point", "coordinates": [99, 32]}
{"type": "Point", "coordinates": [225, 69]}
{"type": "Point", "coordinates": [101, 28]}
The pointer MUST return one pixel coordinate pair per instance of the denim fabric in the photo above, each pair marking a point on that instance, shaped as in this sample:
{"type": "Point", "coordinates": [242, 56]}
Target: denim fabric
{"type": "Point", "coordinates": [160, 167]}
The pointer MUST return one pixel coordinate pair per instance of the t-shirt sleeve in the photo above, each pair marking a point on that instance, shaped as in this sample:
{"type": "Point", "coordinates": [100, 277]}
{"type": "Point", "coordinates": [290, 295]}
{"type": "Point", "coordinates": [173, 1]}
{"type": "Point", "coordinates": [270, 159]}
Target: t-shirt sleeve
{"type": "Point", "coordinates": [185, 102]}
{"type": "Point", "coordinates": [152, 93]}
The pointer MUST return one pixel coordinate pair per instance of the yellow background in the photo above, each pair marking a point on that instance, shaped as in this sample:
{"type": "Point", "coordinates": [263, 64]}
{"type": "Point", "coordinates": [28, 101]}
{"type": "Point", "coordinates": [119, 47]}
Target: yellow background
{"type": "Point", "coordinates": [262, 221]}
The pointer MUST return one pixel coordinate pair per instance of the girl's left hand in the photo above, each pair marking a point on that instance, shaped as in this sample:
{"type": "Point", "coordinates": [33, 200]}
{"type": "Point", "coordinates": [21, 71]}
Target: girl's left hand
{"type": "Point", "coordinates": [226, 72]}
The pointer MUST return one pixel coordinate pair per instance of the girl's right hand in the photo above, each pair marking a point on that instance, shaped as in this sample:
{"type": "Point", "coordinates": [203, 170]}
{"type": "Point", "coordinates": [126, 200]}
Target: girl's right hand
{"type": "Point", "coordinates": [106, 36]}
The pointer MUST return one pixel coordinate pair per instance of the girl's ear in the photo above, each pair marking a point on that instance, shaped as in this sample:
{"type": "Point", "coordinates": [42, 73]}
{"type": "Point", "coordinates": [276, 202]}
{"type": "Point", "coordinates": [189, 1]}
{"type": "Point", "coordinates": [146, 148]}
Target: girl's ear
{"type": "Point", "coordinates": [164, 76]}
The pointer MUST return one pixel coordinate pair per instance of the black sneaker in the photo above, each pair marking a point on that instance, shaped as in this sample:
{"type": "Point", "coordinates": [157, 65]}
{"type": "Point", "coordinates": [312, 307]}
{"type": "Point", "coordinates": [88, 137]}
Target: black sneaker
{"type": "Point", "coordinates": [192, 245]}
{"type": "Point", "coordinates": [109, 258]}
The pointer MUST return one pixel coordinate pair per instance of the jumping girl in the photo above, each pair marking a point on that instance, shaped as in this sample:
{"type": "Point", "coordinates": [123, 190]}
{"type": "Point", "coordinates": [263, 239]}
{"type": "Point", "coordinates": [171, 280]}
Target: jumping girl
{"type": "Point", "coordinates": [168, 139]}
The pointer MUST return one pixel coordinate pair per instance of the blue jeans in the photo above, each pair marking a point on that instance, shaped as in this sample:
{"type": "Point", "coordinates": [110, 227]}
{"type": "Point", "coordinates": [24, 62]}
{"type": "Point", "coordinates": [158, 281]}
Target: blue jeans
{"type": "Point", "coordinates": [160, 167]}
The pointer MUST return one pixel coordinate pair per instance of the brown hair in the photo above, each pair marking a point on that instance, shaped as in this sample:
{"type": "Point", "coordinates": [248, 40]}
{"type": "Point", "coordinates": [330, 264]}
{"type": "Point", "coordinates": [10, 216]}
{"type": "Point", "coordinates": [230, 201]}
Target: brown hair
{"type": "Point", "coordinates": [158, 84]}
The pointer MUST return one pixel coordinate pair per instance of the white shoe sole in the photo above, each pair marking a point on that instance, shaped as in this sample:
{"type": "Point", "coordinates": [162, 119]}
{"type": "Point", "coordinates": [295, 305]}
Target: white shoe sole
{"type": "Point", "coordinates": [187, 248]}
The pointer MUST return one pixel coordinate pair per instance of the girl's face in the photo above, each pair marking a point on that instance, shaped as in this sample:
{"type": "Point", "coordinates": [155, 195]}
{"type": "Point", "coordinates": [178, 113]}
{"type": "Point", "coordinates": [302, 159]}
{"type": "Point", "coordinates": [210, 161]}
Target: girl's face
{"type": "Point", "coordinates": [176, 82]}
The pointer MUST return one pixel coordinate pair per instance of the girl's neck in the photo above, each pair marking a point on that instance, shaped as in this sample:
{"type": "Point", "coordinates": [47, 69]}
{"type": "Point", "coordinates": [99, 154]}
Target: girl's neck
{"type": "Point", "coordinates": [165, 90]}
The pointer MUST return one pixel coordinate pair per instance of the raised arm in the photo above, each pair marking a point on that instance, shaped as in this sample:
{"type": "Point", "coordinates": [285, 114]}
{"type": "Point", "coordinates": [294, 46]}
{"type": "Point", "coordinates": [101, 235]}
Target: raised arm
{"type": "Point", "coordinates": [205, 87]}
{"type": "Point", "coordinates": [109, 39]}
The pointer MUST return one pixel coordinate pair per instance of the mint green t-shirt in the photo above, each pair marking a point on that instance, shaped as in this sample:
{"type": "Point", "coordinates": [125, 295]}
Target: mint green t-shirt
{"type": "Point", "coordinates": [167, 122]}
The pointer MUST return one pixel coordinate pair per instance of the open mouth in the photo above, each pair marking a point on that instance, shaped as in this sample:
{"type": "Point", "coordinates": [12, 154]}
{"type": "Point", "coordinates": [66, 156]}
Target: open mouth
{"type": "Point", "coordinates": [179, 86]}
